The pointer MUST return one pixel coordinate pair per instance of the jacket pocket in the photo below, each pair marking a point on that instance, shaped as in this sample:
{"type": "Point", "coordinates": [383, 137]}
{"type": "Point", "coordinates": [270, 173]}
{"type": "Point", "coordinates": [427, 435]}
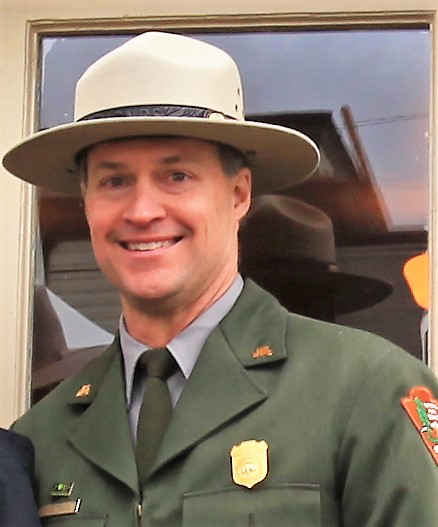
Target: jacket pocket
{"type": "Point", "coordinates": [276, 506]}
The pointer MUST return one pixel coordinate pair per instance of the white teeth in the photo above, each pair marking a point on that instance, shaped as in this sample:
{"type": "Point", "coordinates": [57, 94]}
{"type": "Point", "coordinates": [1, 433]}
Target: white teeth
{"type": "Point", "coordinates": [150, 246]}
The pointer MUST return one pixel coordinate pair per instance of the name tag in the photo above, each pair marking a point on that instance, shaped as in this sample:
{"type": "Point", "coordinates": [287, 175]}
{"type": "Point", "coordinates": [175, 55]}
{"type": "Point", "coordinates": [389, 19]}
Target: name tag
{"type": "Point", "coordinates": [60, 508]}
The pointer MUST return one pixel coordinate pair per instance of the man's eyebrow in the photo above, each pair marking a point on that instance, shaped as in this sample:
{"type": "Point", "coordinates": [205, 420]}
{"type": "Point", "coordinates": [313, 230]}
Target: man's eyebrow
{"type": "Point", "coordinates": [113, 165]}
{"type": "Point", "coordinates": [110, 165]}
{"type": "Point", "coordinates": [170, 160]}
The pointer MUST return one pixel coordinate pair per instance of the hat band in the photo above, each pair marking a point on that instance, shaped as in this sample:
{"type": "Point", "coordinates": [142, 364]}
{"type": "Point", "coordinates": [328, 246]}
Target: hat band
{"type": "Point", "coordinates": [157, 111]}
{"type": "Point", "coordinates": [293, 263]}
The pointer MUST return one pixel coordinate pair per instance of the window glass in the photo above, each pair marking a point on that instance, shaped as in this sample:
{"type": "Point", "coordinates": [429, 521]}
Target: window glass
{"type": "Point", "coordinates": [363, 96]}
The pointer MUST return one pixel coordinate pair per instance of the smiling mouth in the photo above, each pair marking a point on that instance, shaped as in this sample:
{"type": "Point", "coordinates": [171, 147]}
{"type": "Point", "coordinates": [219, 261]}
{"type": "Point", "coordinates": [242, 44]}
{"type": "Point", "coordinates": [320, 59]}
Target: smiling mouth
{"type": "Point", "coordinates": [149, 246]}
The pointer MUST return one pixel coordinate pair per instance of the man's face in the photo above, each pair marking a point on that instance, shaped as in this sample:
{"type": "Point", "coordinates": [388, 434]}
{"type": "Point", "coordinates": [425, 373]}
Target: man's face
{"type": "Point", "coordinates": [164, 219]}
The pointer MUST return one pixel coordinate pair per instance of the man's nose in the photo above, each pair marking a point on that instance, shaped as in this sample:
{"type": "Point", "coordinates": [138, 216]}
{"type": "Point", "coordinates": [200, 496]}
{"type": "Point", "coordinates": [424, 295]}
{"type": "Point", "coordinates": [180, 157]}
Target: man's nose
{"type": "Point", "coordinates": [145, 205]}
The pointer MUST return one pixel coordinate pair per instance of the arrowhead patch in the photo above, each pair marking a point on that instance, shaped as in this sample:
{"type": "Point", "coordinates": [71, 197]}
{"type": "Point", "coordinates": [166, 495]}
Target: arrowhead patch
{"type": "Point", "coordinates": [422, 408]}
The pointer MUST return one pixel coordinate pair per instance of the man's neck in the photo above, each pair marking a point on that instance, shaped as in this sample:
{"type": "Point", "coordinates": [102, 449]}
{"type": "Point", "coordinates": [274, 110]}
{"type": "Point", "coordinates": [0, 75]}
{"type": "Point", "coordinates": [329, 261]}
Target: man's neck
{"type": "Point", "coordinates": [157, 323]}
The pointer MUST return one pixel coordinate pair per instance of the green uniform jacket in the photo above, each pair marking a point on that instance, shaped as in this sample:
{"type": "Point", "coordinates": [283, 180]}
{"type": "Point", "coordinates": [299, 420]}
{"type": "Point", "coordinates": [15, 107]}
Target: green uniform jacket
{"type": "Point", "coordinates": [342, 451]}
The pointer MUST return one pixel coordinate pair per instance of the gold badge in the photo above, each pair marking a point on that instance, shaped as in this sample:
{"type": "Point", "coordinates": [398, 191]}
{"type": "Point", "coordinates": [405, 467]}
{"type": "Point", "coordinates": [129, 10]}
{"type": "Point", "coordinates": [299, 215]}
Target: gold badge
{"type": "Point", "coordinates": [84, 390]}
{"type": "Point", "coordinates": [263, 351]}
{"type": "Point", "coordinates": [249, 462]}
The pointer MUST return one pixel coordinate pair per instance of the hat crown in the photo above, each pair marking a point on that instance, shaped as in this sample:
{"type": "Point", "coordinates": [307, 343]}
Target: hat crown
{"type": "Point", "coordinates": [161, 69]}
{"type": "Point", "coordinates": [288, 229]}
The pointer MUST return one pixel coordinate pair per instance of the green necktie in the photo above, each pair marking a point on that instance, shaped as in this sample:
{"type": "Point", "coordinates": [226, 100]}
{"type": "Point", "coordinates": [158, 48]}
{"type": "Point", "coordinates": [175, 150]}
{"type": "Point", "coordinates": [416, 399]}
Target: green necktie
{"type": "Point", "coordinates": [156, 409]}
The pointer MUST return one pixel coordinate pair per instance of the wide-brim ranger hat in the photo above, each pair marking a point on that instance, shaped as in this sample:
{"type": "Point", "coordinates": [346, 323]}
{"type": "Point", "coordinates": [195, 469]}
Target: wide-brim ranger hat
{"type": "Point", "coordinates": [288, 247]}
{"type": "Point", "coordinates": [162, 84]}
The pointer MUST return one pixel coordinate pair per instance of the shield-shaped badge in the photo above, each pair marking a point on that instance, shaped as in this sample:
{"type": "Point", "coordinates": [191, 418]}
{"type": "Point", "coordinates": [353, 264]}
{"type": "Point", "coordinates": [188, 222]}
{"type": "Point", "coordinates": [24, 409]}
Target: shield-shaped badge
{"type": "Point", "coordinates": [249, 462]}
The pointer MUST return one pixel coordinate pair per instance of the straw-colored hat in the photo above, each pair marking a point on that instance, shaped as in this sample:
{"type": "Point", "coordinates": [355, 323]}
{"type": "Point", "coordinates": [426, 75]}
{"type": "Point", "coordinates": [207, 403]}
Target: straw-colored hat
{"type": "Point", "coordinates": [162, 84]}
{"type": "Point", "coordinates": [288, 247]}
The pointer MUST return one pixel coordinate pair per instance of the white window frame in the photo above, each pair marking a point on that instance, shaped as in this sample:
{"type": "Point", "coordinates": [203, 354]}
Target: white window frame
{"type": "Point", "coordinates": [23, 22]}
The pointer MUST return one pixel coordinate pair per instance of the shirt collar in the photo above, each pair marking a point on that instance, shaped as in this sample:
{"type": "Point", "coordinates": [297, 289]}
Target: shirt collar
{"type": "Point", "coordinates": [187, 345]}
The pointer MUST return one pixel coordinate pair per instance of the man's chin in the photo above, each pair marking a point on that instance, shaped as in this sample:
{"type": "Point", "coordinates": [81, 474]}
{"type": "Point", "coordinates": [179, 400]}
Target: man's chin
{"type": "Point", "coordinates": [148, 297]}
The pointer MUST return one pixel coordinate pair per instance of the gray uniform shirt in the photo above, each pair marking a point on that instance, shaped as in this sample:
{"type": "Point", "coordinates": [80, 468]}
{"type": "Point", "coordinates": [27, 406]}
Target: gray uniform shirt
{"type": "Point", "coordinates": [185, 348]}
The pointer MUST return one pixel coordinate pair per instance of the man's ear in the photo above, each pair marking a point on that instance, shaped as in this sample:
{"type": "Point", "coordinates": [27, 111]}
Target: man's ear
{"type": "Point", "coordinates": [84, 189]}
{"type": "Point", "coordinates": [83, 186]}
{"type": "Point", "coordinates": [242, 192]}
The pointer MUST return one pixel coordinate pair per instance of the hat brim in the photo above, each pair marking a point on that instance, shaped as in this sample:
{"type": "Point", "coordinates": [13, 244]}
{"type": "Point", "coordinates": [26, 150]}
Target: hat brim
{"type": "Point", "coordinates": [69, 364]}
{"type": "Point", "coordinates": [350, 292]}
{"type": "Point", "coordinates": [278, 156]}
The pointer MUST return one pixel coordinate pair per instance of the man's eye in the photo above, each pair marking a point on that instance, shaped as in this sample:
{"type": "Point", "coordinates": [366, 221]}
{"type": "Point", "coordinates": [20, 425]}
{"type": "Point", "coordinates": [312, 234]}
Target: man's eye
{"type": "Point", "coordinates": [114, 181]}
{"type": "Point", "coordinates": [179, 177]}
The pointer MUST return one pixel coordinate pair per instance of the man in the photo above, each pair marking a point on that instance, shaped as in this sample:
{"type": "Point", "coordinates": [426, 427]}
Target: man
{"type": "Point", "coordinates": [277, 419]}
{"type": "Point", "coordinates": [17, 502]}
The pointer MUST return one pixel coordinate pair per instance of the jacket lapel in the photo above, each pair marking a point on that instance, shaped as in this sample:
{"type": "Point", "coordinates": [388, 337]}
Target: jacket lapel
{"type": "Point", "coordinates": [222, 384]}
{"type": "Point", "coordinates": [102, 434]}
